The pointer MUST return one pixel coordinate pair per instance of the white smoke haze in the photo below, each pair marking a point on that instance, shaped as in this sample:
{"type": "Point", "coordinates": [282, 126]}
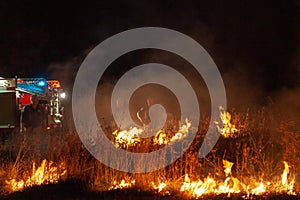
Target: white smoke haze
{"type": "Point", "coordinates": [66, 71]}
{"type": "Point", "coordinates": [241, 92]}
{"type": "Point", "coordinates": [160, 74]}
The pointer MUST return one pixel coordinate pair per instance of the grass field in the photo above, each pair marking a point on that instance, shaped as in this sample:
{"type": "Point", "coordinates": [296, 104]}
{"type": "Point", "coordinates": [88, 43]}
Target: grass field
{"type": "Point", "coordinates": [246, 164]}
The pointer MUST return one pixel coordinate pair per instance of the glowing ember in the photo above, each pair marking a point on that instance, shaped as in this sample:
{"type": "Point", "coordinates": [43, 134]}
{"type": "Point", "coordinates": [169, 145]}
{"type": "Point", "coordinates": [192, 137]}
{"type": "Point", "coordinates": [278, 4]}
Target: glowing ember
{"type": "Point", "coordinates": [228, 130]}
{"type": "Point", "coordinates": [44, 174]}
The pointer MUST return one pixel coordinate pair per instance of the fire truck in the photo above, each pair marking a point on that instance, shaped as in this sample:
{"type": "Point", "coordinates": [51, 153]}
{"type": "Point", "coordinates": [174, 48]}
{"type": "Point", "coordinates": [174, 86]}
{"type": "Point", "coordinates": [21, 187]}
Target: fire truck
{"type": "Point", "coordinates": [15, 95]}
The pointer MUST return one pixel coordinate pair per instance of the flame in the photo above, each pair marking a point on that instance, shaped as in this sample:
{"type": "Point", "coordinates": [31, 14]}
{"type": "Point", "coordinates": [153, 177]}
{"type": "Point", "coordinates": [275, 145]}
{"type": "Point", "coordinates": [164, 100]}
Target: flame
{"type": "Point", "coordinates": [227, 167]}
{"type": "Point", "coordinates": [197, 188]}
{"type": "Point", "coordinates": [228, 130]}
{"type": "Point", "coordinates": [122, 185]}
{"type": "Point", "coordinates": [209, 185]}
{"type": "Point", "coordinates": [225, 182]}
{"type": "Point", "coordinates": [285, 173]}
{"type": "Point", "coordinates": [260, 189]}
{"type": "Point", "coordinates": [131, 137]}
{"type": "Point", "coordinates": [46, 173]}
{"type": "Point", "coordinates": [234, 185]}
{"type": "Point", "coordinates": [128, 138]}
{"type": "Point", "coordinates": [160, 186]}
{"type": "Point", "coordinates": [161, 137]}
{"type": "Point", "coordinates": [285, 184]}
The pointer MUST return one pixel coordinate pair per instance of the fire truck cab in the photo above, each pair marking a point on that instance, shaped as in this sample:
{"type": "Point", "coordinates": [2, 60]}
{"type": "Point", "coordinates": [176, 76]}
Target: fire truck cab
{"type": "Point", "coordinates": [15, 95]}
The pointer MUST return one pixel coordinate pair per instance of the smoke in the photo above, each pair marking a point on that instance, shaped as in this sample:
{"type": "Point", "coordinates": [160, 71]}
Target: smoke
{"type": "Point", "coordinates": [242, 93]}
{"type": "Point", "coordinates": [66, 72]}
{"type": "Point", "coordinates": [257, 54]}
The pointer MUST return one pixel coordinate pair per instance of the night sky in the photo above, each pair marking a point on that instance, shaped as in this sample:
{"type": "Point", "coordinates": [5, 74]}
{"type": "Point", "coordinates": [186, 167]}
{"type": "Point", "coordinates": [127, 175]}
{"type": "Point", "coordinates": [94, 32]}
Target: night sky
{"type": "Point", "coordinates": [255, 44]}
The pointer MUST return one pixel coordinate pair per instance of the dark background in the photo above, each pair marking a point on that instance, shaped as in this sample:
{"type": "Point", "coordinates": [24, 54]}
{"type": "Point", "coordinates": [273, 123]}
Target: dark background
{"type": "Point", "coordinates": [255, 44]}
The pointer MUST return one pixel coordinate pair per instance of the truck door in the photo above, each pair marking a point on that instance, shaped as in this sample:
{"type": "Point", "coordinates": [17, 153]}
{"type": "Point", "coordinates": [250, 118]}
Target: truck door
{"type": "Point", "coordinates": [7, 110]}
{"type": "Point", "coordinates": [7, 104]}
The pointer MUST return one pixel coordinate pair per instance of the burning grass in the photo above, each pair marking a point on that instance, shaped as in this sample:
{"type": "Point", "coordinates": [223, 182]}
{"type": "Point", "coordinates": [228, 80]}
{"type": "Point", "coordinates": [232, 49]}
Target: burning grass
{"type": "Point", "coordinates": [257, 155]}
{"type": "Point", "coordinates": [46, 173]}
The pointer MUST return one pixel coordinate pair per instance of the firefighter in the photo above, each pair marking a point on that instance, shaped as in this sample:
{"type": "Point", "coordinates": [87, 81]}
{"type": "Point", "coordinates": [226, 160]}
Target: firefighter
{"type": "Point", "coordinates": [143, 112]}
{"type": "Point", "coordinates": [33, 123]}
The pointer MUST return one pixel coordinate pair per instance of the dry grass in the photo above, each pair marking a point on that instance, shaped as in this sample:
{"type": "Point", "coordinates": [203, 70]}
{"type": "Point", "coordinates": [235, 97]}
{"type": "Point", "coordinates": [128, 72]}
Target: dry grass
{"type": "Point", "coordinates": [264, 141]}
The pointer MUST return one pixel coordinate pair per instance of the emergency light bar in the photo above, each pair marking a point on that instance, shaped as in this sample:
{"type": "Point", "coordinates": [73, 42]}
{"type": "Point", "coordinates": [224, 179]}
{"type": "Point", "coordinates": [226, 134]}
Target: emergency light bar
{"type": "Point", "coordinates": [32, 85]}
{"type": "Point", "coordinates": [54, 83]}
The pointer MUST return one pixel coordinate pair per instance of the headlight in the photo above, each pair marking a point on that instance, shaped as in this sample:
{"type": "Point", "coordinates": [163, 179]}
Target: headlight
{"type": "Point", "coordinates": [62, 95]}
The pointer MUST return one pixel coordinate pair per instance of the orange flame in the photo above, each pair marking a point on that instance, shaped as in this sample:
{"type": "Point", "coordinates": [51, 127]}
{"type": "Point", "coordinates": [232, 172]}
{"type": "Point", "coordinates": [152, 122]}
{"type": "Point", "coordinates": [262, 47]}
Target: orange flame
{"type": "Point", "coordinates": [122, 185]}
{"type": "Point", "coordinates": [161, 137]}
{"type": "Point", "coordinates": [228, 130]}
{"type": "Point", "coordinates": [234, 185]}
{"type": "Point", "coordinates": [128, 138]}
{"type": "Point", "coordinates": [131, 137]}
{"type": "Point", "coordinates": [46, 173]}
{"type": "Point", "coordinates": [160, 186]}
